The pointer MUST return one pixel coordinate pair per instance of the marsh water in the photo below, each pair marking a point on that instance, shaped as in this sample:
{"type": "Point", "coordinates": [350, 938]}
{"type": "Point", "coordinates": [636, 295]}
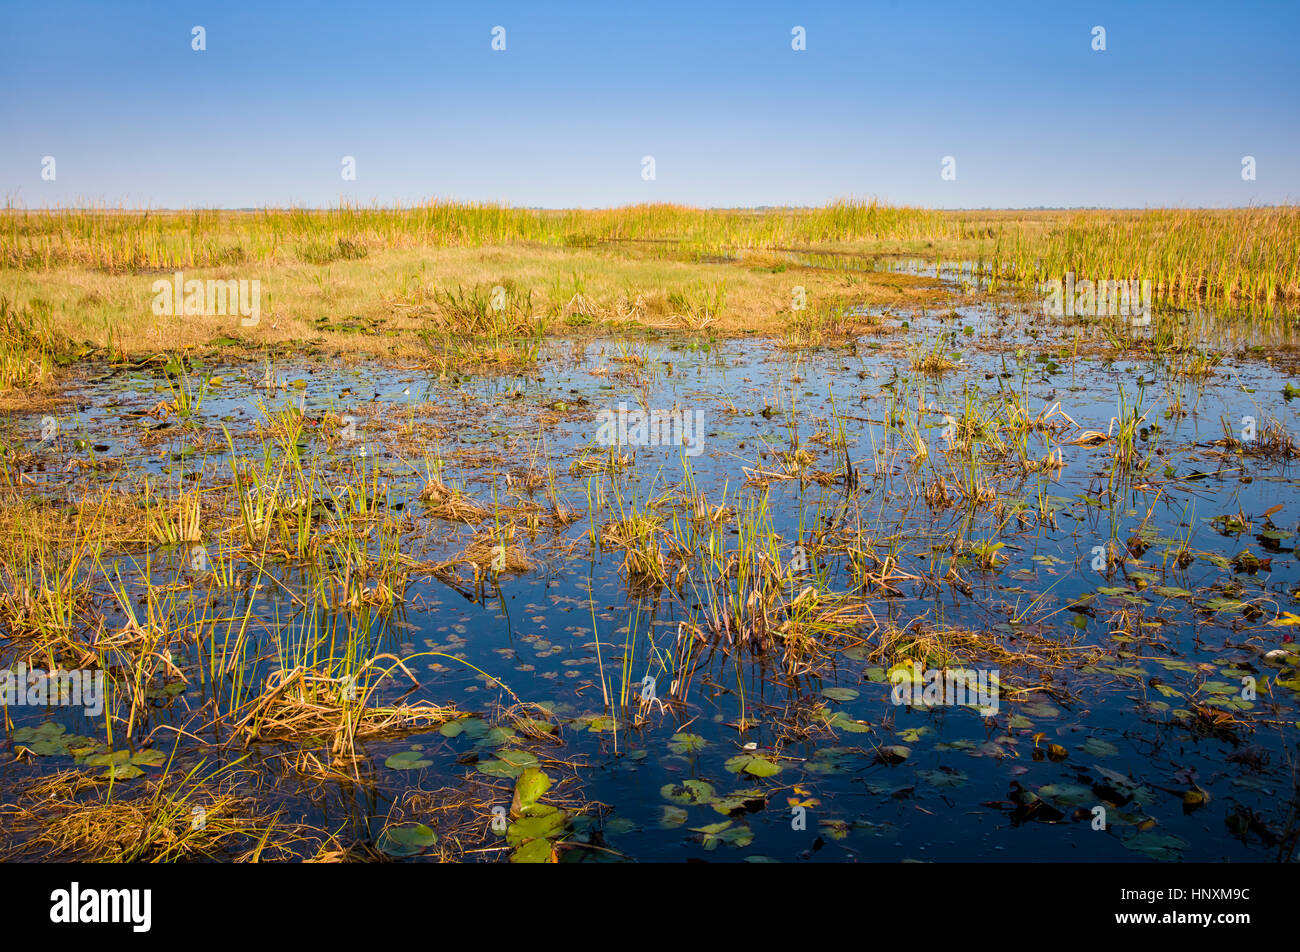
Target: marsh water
{"type": "Point", "coordinates": [1114, 670]}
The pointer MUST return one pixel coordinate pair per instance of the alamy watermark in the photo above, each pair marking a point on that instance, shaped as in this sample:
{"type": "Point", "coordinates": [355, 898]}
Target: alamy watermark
{"type": "Point", "coordinates": [74, 905]}
{"type": "Point", "coordinates": [1108, 298]}
{"type": "Point", "coordinates": [209, 298]}
{"type": "Point", "coordinates": [954, 687]}
{"type": "Point", "coordinates": [35, 687]}
{"type": "Point", "coordinates": [637, 427]}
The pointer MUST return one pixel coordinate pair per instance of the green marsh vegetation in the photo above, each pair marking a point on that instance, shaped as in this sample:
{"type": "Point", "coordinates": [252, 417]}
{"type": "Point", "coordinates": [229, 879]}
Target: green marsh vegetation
{"type": "Point", "coordinates": [370, 559]}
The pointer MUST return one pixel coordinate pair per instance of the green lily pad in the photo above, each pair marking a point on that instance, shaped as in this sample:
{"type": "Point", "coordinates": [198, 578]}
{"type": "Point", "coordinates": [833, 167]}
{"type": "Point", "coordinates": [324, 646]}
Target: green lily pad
{"type": "Point", "coordinates": [530, 786]}
{"type": "Point", "coordinates": [841, 721]}
{"type": "Point", "coordinates": [473, 727]}
{"type": "Point", "coordinates": [840, 694]}
{"type": "Point", "coordinates": [407, 839]}
{"type": "Point", "coordinates": [149, 758]}
{"type": "Point", "coordinates": [737, 801]}
{"type": "Point", "coordinates": [496, 737]}
{"type": "Point", "coordinates": [530, 827]}
{"type": "Point", "coordinates": [752, 764]}
{"type": "Point", "coordinates": [108, 758]}
{"type": "Point", "coordinates": [407, 760]}
{"type": "Point", "coordinates": [507, 763]}
{"type": "Point", "coordinates": [50, 730]}
{"type": "Point", "coordinates": [716, 834]}
{"type": "Point", "coordinates": [686, 743]}
{"type": "Point", "coordinates": [1068, 794]}
{"type": "Point", "coordinates": [1220, 687]}
{"type": "Point", "coordinates": [688, 792]}
{"type": "Point", "coordinates": [533, 851]}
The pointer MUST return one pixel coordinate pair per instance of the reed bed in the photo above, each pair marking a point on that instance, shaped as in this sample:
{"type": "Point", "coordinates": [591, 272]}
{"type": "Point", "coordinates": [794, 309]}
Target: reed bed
{"type": "Point", "coordinates": [146, 240]}
{"type": "Point", "coordinates": [1231, 256]}
{"type": "Point", "coordinates": [1224, 256]}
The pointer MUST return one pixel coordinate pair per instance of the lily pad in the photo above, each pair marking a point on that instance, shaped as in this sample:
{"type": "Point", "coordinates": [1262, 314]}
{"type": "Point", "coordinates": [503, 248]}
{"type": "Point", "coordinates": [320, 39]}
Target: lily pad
{"type": "Point", "coordinates": [841, 721]}
{"type": "Point", "coordinates": [507, 763]}
{"type": "Point", "coordinates": [530, 827]}
{"type": "Point", "coordinates": [681, 743]}
{"type": "Point", "coordinates": [688, 792]}
{"type": "Point", "coordinates": [739, 800]}
{"type": "Point", "coordinates": [943, 777]}
{"type": "Point", "coordinates": [1158, 846]}
{"type": "Point", "coordinates": [672, 817]}
{"type": "Point", "coordinates": [534, 851]}
{"type": "Point", "coordinates": [530, 786]}
{"type": "Point", "coordinates": [716, 834]}
{"type": "Point", "coordinates": [893, 753]}
{"type": "Point", "coordinates": [407, 839]}
{"type": "Point", "coordinates": [1097, 747]}
{"type": "Point", "coordinates": [1067, 794]}
{"type": "Point", "coordinates": [840, 694]}
{"type": "Point", "coordinates": [752, 764]}
{"type": "Point", "coordinates": [407, 760]}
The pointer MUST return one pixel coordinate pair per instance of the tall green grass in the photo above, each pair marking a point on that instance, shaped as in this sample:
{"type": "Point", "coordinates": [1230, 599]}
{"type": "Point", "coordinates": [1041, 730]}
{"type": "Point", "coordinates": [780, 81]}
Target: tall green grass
{"type": "Point", "coordinates": [1221, 255]}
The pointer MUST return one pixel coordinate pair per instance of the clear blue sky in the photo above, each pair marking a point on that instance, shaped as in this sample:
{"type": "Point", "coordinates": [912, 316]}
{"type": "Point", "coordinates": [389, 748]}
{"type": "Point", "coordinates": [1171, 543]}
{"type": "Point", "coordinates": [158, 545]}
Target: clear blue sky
{"type": "Point", "coordinates": [731, 114]}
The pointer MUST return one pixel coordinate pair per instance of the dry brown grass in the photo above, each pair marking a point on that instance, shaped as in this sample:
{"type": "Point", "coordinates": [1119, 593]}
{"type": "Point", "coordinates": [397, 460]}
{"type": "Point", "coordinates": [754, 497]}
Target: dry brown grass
{"type": "Point", "coordinates": [304, 703]}
{"type": "Point", "coordinates": [444, 502]}
{"type": "Point", "coordinates": [113, 310]}
{"type": "Point", "coordinates": [68, 816]}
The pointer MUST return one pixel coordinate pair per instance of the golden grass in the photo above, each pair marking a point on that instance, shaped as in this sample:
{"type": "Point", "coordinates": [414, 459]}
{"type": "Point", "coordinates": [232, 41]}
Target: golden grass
{"type": "Point", "coordinates": [303, 702]}
{"type": "Point", "coordinates": [70, 816]}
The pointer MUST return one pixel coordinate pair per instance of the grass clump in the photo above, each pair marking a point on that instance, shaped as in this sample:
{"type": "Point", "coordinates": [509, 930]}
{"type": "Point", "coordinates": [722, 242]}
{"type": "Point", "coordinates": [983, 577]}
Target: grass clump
{"type": "Point", "coordinates": [29, 346]}
{"type": "Point", "coordinates": [68, 816]}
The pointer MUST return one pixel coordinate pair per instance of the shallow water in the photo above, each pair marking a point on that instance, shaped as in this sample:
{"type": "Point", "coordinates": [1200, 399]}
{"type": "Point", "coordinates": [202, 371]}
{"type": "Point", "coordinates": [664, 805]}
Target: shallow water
{"type": "Point", "coordinates": [876, 780]}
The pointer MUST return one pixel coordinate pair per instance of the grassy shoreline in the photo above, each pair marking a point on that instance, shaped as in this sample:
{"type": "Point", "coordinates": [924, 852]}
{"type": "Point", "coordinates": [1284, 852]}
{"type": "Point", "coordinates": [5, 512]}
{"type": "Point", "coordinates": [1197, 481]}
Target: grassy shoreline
{"type": "Point", "coordinates": [376, 282]}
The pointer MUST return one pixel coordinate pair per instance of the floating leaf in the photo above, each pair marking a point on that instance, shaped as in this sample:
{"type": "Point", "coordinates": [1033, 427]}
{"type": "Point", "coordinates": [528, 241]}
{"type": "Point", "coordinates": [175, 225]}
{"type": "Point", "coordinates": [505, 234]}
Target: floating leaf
{"type": "Point", "coordinates": [508, 763]}
{"type": "Point", "coordinates": [830, 760]}
{"type": "Point", "coordinates": [913, 734]}
{"type": "Point", "coordinates": [533, 851]}
{"type": "Point", "coordinates": [739, 800]}
{"type": "Point", "coordinates": [893, 754]}
{"type": "Point", "coordinates": [1067, 794]}
{"type": "Point", "coordinates": [1157, 846]}
{"type": "Point", "coordinates": [496, 737]}
{"type": "Point", "coordinates": [943, 777]}
{"type": "Point", "coordinates": [406, 840]}
{"type": "Point", "coordinates": [529, 827]}
{"type": "Point", "coordinates": [681, 743]}
{"type": "Point", "coordinates": [407, 760]}
{"type": "Point", "coordinates": [1220, 687]}
{"type": "Point", "coordinates": [842, 721]}
{"type": "Point", "coordinates": [688, 792]}
{"type": "Point", "coordinates": [752, 764]}
{"type": "Point", "coordinates": [718, 833]}
{"type": "Point", "coordinates": [530, 786]}
{"type": "Point", "coordinates": [672, 817]}
{"type": "Point", "coordinates": [840, 694]}
{"type": "Point", "coordinates": [1096, 747]}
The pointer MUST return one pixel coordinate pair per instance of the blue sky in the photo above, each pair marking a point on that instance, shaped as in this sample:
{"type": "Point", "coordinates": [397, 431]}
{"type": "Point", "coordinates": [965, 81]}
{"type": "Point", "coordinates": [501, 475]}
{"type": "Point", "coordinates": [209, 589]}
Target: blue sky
{"type": "Point", "coordinates": [713, 91]}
